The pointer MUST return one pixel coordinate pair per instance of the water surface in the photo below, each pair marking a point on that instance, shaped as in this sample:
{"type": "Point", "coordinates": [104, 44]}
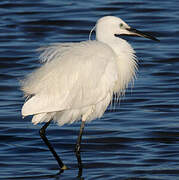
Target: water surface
{"type": "Point", "coordinates": [139, 139]}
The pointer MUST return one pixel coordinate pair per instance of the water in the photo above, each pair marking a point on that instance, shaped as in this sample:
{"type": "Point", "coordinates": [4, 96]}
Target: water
{"type": "Point", "coordinates": [137, 140]}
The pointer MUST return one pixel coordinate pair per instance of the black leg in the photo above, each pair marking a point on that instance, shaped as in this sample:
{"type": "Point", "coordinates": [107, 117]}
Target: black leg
{"type": "Point", "coordinates": [43, 136]}
{"type": "Point", "coordinates": [77, 148]}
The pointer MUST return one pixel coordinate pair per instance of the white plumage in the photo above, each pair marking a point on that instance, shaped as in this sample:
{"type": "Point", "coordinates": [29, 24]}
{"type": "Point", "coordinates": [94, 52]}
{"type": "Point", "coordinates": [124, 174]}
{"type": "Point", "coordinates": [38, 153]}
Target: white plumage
{"type": "Point", "coordinates": [78, 80]}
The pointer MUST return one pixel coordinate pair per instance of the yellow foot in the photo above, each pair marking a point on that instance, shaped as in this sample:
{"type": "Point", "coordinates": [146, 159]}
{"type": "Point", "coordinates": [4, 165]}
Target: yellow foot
{"type": "Point", "coordinates": [64, 167]}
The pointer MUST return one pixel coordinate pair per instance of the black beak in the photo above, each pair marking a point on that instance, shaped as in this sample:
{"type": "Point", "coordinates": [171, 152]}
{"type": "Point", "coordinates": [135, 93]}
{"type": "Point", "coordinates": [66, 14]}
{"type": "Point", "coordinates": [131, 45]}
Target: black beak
{"type": "Point", "coordinates": [139, 33]}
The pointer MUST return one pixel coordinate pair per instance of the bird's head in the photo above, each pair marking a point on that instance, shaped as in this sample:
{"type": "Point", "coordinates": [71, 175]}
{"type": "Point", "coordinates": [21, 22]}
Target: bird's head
{"type": "Point", "coordinates": [110, 26]}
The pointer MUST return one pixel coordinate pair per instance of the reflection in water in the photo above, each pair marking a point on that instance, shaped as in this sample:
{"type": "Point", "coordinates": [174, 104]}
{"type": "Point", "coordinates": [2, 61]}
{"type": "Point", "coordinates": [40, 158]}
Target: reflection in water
{"type": "Point", "coordinates": [80, 166]}
{"type": "Point", "coordinates": [78, 147]}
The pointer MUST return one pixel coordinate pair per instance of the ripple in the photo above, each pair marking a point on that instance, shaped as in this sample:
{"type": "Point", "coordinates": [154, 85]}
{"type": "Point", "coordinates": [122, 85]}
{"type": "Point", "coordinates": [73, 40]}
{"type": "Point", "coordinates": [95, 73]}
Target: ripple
{"type": "Point", "coordinates": [136, 139]}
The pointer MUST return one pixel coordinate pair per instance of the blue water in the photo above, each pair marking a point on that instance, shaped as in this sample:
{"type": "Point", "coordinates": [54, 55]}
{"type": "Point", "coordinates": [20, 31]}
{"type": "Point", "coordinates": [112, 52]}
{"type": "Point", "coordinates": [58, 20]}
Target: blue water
{"type": "Point", "coordinates": [139, 139]}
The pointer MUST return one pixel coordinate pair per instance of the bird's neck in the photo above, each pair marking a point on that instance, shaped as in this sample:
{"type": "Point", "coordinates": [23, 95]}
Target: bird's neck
{"type": "Point", "coordinates": [126, 61]}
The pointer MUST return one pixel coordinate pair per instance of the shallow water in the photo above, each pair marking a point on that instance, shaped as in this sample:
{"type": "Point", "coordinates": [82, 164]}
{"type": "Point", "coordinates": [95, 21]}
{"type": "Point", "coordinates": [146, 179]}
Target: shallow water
{"type": "Point", "coordinates": [139, 139]}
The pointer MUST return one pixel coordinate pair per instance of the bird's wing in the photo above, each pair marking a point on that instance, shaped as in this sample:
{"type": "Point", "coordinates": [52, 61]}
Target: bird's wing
{"type": "Point", "coordinates": [79, 75]}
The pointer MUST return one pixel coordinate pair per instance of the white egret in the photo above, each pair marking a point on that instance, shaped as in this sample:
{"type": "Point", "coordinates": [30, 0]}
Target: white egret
{"type": "Point", "coordinates": [78, 80]}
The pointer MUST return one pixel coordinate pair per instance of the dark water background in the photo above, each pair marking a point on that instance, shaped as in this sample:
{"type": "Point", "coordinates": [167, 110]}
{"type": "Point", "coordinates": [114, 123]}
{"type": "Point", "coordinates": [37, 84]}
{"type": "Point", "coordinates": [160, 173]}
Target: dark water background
{"type": "Point", "coordinates": [137, 140]}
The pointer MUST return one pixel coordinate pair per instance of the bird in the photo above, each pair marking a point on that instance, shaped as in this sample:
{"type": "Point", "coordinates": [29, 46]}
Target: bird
{"type": "Point", "coordinates": [78, 80]}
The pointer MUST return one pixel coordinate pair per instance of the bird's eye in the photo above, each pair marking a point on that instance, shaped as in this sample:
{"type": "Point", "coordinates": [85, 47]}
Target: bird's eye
{"type": "Point", "coordinates": [121, 25]}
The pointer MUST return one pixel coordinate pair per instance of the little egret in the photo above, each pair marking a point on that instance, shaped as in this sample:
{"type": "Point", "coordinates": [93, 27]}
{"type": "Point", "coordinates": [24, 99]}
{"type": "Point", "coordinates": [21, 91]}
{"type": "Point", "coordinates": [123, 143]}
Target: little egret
{"type": "Point", "coordinates": [77, 81]}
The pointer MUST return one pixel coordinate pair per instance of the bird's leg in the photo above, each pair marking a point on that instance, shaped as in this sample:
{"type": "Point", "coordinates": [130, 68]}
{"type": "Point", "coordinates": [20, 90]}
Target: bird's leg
{"type": "Point", "coordinates": [78, 143]}
{"type": "Point", "coordinates": [46, 141]}
{"type": "Point", "coordinates": [77, 149]}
